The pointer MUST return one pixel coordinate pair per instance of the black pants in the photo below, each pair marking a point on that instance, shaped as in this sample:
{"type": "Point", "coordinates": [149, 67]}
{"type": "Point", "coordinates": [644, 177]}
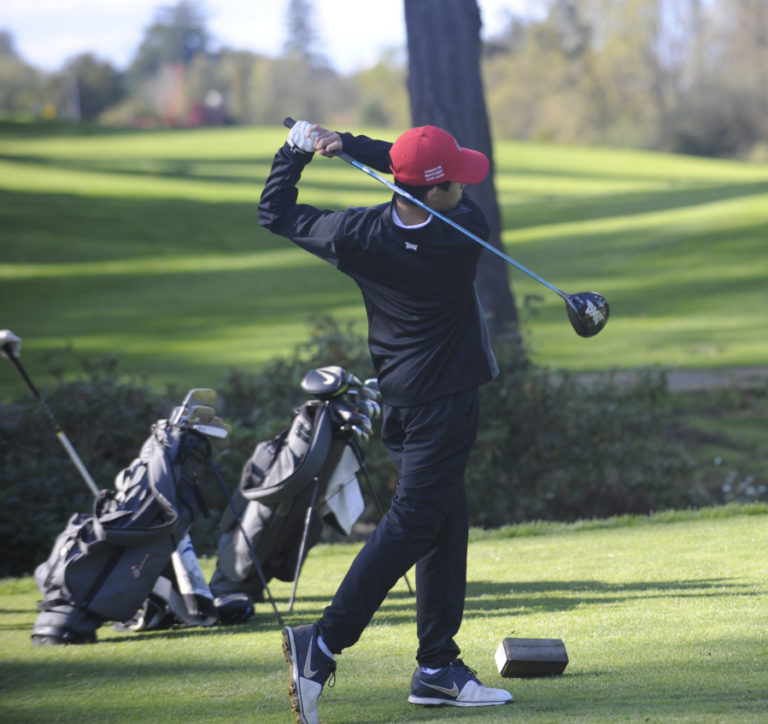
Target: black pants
{"type": "Point", "coordinates": [426, 525]}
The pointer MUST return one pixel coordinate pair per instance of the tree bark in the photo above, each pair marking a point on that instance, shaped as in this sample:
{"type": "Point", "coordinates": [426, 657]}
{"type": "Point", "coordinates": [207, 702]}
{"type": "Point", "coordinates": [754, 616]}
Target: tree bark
{"type": "Point", "coordinates": [446, 90]}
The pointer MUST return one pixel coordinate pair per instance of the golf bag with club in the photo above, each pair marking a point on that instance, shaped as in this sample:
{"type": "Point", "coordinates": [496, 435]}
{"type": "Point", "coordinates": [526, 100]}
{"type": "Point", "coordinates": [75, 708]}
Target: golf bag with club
{"type": "Point", "coordinates": [297, 481]}
{"type": "Point", "coordinates": [131, 551]}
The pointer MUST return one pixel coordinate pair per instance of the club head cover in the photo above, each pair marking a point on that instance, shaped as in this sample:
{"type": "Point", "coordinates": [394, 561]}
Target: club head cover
{"type": "Point", "coordinates": [10, 344]}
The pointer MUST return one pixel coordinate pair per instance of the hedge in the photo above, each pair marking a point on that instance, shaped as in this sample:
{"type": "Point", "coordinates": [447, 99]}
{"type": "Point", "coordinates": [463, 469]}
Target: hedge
{"type": "Point", "coordinates": [550, 446]}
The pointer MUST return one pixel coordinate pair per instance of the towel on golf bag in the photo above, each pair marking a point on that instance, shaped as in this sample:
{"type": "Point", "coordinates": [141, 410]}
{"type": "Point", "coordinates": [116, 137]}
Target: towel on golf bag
{"type": "Point", "coordinates": [278, 484]}
{"type": "Point", "coordinates": [104, 564]}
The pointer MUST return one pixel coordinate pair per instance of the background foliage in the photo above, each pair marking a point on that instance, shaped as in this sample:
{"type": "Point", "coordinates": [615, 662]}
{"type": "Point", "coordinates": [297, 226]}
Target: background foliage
{"type": "Point", "coordinates": [144, 245]}
{"type": "Point", "coordinates": [550, 447]}
{"type": "Point", "coordinates": [680, 75]}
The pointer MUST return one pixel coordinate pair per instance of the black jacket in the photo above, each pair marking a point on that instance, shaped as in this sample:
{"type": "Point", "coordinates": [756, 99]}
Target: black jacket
{"type": "Point", "coordinates": [426, 331]}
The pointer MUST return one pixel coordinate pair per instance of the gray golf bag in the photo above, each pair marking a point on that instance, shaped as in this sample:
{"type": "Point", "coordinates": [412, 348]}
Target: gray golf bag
{"type": "Point", "coordinates": [294, 483]}
{"type": "Point", "coordinates": [105, 564]}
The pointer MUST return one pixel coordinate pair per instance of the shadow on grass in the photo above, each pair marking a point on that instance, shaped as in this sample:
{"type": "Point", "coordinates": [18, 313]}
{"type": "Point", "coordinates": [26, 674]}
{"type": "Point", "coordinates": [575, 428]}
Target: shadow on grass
{"type": "Point", "coordinates": [563, 209]}
{"type": "Point", "coordinates": [251, 170]}
{"type": "Point", "coordinates": [549, 207]}
{"type": "Point", "coordinates": [488, 598]}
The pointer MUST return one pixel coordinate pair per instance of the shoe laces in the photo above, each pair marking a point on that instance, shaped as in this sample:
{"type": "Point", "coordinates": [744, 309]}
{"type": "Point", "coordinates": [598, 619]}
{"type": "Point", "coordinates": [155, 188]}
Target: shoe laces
{"type": "Point", "coordinates": [459, 664]}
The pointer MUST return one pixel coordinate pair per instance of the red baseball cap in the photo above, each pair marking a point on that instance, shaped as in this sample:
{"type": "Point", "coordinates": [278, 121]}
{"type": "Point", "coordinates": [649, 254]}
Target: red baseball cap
{"type": "Point", "coordinates": [428, 155]}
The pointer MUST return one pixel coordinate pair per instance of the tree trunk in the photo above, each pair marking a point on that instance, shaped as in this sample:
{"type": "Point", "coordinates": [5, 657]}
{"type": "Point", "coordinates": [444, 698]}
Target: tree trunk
{"type": "Point", "coordinates": [446, 90]}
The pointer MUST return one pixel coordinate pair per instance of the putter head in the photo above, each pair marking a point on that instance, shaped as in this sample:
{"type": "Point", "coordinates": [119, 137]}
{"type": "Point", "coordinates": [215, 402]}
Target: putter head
{"type": "Point", "coordinates": [325, 382]}
{"type": "Point", "coordinates": [588, 312]}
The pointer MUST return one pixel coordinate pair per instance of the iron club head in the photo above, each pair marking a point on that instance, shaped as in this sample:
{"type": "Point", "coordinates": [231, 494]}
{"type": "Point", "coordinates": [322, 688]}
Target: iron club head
{"type": "Point", "coordinates": [588, 312]}
{"type": "Point", "coordinates": [200, 395]}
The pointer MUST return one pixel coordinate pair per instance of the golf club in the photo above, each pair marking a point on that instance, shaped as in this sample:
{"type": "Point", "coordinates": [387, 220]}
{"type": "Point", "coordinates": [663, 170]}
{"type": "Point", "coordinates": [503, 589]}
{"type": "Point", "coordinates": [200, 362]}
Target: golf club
{"type": "Point", "coordinates": [201, 395]}
{"type": "Point", "coordinates": [201, 413]}
{"type": "Point", "coordinates": [10, 345]}
{"type": "Point", "coordinates": [188, 573]}
{"type": "Point", "coordinates": [587, 311]}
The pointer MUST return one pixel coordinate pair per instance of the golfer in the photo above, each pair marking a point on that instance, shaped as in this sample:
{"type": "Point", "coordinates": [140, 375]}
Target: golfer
{"type": "Point", "coordinates": [430, 349]}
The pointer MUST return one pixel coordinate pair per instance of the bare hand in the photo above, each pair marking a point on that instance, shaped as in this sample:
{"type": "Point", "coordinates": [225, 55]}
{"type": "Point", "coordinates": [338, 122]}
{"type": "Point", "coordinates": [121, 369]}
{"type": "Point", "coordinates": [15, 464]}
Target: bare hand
{"type": "Point", "coordinates": [326, 141]}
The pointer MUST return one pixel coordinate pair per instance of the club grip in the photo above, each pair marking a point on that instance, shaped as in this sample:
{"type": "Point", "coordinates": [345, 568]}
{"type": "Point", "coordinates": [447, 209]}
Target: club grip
{"type": "Point", "coordinates": [288, 122]}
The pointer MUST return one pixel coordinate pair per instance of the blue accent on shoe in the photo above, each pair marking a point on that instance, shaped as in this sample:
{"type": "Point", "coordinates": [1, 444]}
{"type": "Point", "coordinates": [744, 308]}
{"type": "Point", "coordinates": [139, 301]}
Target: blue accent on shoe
{"type": "Point", "coordinates": [310, 669]}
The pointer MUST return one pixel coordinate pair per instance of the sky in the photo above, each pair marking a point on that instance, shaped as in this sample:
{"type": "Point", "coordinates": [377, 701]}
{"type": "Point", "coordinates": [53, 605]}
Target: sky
{"type": "Point", "coordinates": [351, 34]}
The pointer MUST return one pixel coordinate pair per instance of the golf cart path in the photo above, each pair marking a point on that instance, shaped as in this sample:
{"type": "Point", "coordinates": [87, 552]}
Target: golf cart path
{"type": "Point", "coordinates": [709, 379]}
{"type": "Point", "coordinates": [680, 379]}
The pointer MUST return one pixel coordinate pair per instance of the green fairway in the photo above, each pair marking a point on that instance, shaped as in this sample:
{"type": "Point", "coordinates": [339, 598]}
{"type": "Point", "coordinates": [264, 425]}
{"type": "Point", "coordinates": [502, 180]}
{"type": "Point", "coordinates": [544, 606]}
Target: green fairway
{"type": "Point", "coordinates": [146, 246]}
{"type": "Point", "coordinates": [664, 620]}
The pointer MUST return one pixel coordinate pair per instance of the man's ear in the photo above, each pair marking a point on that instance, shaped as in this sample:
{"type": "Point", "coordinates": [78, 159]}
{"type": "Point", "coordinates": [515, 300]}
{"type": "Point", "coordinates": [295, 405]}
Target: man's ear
{"type": "Point", "coordinates": [431, 194]}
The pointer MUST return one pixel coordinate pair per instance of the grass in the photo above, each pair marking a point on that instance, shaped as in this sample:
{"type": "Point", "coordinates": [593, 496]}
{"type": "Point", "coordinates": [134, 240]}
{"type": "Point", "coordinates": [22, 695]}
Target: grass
{"type": "Point", "coordinates": [146, 246]}
{"type": "Point", "coordinates": [665, 619]}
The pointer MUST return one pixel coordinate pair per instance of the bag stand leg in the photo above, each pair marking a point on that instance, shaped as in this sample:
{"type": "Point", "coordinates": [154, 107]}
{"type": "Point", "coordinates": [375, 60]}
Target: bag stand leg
{"type": "Point", "coordinates": [251, 550]}
{"type": "Point", "coordinates": [303, 546]}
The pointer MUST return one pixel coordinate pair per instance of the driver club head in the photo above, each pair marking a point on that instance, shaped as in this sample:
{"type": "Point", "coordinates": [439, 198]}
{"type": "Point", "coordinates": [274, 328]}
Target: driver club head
{"type": "Point", "coordinates": [588, 312]}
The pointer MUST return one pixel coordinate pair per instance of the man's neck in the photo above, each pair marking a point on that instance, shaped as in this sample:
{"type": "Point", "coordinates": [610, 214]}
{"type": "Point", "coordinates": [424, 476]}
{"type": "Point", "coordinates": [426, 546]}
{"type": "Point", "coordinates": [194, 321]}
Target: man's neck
{"type": "Point", "coordinates": [410, 214]}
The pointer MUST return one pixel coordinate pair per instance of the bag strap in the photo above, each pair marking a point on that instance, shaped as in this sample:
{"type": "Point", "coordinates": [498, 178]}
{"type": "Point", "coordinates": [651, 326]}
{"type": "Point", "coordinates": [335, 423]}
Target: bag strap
{"type": "Point", "coordinates": [143, 534]}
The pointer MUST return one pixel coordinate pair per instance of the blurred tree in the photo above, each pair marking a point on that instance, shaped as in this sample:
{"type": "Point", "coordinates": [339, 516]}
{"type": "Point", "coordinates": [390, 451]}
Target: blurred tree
{"type": "Point", "coordinates": [8, 46]}
{"type": "Point", "coordinates": [446, 90]}
{"type": "Point", "coordinates": [382, 98]}
{"type": "Point", "coordinates": [302, 78]}
{"type": "Point", "coordinates": [237, 69]}
{"type": "Point", "coordinates": [177, 35]}
{"type": "Point", "coordinates": [93, 84]}
{"type": "Point", "coordinates": [21, 86]}
{"type": "Point", "coordinates": [721, 99]}
{"type": "Point", "coordinates": [301, 39]}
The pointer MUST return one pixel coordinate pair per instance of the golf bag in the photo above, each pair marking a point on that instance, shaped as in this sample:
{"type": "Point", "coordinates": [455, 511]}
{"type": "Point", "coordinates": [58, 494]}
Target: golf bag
{"type": "Point", "coordinates": [295, 482]}
{"type": "Point", "coordinates": [105, 564]}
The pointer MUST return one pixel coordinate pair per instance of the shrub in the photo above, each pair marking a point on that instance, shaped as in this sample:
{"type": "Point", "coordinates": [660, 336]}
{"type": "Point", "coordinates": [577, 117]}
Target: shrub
{"type": "Point", "coordinates": [550, 446]}
{"type": "Point", "coordinates": [553, 447]}
{"type": "Point", "coordinates": [106, 420]}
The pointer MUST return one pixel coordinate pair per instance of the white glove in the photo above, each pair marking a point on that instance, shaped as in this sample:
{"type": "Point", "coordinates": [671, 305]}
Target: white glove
{"type": "Point", "coordinates": [299, 137]}
{"type": "Point", "coordinates": [9, 338]}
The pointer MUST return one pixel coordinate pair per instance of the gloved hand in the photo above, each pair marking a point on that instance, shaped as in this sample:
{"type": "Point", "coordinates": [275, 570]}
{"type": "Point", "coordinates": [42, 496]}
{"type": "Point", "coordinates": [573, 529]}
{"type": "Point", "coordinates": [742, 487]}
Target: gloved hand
{"type": "Point", "coordinates": [299, 137]}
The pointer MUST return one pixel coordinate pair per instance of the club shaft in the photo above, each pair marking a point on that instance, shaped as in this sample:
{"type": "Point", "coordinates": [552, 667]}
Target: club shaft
{"type": "Point", "coordinates": [67, 445]}
{"type": "Point", "coordinates": [61, 436]}
{"type": "Point", "coordinates": [178, 563]}
{"type": "Point", "coordinates": [289, 122]}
